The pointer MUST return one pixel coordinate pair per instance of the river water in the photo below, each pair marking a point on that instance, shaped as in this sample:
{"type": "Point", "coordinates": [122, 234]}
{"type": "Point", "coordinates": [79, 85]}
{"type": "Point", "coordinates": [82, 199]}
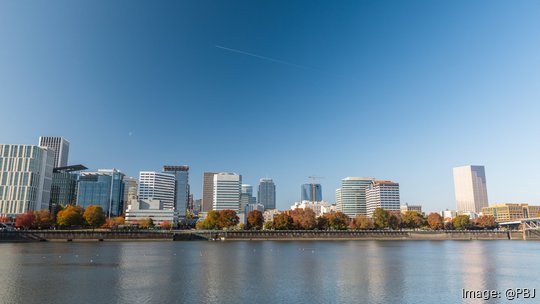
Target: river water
{"type": "Point", "coordinates": [265, 271]}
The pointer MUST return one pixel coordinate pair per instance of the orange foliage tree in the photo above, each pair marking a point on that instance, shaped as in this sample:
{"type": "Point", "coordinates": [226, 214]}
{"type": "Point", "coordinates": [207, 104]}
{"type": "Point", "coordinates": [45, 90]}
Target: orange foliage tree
{"type": "Point", "coordinates": [94, 216]}
{"type": "Point", "coordinates": [227, 219]}
{"type": "Point", "coordinates": [435, 221]}
{"type": "Point", "coordinates": [43, 219]}
{"type": "Point", "coordinates": [24, 220]}
{"type": "Point", "coordinates": [255, 220]}
{"type": "Point", "coordinates": [70, 216]}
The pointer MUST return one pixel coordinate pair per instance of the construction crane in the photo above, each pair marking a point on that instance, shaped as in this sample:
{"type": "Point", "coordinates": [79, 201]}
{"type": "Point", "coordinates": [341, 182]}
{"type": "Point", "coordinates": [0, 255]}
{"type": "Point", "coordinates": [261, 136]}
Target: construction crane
{"type": "Point", "coordinates": [313, 187]}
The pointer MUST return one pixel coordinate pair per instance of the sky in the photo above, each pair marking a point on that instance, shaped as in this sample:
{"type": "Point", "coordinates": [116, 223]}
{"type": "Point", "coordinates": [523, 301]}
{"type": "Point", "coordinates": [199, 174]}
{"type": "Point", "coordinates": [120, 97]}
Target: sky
{"type": "Point", "coordinates": [395, 90]}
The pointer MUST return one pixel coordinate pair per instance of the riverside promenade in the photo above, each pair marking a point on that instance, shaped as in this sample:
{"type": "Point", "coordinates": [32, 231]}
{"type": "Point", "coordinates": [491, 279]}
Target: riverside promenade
{"type": "Point", "coordinates": [219, 235]}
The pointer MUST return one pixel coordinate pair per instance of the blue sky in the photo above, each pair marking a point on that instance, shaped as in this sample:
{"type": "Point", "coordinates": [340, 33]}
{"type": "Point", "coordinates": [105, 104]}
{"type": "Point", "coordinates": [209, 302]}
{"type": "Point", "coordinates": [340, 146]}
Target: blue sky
{"type": "Point", "coordinates": [397, 90]}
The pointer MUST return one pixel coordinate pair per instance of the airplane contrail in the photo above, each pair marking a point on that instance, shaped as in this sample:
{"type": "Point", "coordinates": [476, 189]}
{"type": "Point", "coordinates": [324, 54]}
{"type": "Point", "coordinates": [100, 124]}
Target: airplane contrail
{"type": "Point", "coordinates": [264, 58]}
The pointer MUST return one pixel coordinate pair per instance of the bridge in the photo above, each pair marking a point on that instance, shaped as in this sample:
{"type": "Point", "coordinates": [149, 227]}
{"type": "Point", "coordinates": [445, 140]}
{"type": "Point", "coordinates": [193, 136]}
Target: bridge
{"type": "Point", "coordinates": [529, 226]}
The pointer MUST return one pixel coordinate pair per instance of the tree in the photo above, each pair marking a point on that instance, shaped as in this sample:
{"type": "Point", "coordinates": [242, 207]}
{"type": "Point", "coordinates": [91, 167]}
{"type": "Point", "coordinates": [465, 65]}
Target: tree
{"type": "Point", "coordinates": [283, 222]}
{"type": "Point", "coordinates": [70, 216]}
{"type": "Point", "coordinates": [413, 219]}
{"type": "Point", "coordinates": [486, 222]}
{"type": "Point", "coordinates": [435, 221]}
{"type": "Point", "coordinates": [322, 222]}
{"type": "Point", "coordinates": [24, 220]}
{"type": "Point", "coordinates": [461, 222]}
{"type": "Point", "coordinates": [396, 220]}
{"type": "Point", "coordinates": [227, 219]}
{"type": "Point", "coordinates": [146, 223]}
{"type": "Point", "coordinates": [304, 219]}
{"type": "Point", "coordinates": [363, 223]}
{"type": "Point", "coordinates": [268, 225]}
{"type": "Point", "coordinates": [255, 220]}
{"type": "Point", "coordinates": [42, 219]}
{"type": "Point", "coordinates": [337, 220]}
{"type": "Point", "coordinates": [381, 218]}
{"type": "Point", "coordinates": [449, 225]}
{"type": "Point", "coordinates": [165, 225]}
{"type": "Point", "coordinates": [5, 219]}
{"type": "Point", "coordinates": [94, 216]}
{"type": "Point", "coordinates": [210, 222]}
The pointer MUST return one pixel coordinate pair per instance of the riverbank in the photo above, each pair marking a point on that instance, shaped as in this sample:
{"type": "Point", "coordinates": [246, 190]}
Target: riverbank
{"type": "Point", "coordinates": [194, 235]}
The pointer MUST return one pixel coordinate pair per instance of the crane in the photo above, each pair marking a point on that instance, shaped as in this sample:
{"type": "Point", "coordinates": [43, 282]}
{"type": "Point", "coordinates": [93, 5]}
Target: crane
{"type": "Point", "coordinates": [313, 177]}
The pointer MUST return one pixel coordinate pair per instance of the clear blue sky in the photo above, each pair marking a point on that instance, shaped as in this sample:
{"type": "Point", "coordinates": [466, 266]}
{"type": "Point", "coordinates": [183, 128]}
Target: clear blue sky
{"type": "Point", "coordinates": [397, 90]}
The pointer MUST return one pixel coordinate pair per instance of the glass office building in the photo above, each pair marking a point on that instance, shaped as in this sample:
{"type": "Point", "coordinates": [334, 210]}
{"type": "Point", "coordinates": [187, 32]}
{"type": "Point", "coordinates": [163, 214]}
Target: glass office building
{"type": "Point", "coordinates": [104, 188]}
{"type": "Point", "coordinates": [307, 192]}
{"type": "Point", "coordinates": [267, 193]}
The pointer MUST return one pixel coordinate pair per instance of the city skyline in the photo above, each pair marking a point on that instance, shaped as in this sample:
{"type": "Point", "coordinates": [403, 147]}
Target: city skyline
{"type": "Point", "coordinates": [359, 89]}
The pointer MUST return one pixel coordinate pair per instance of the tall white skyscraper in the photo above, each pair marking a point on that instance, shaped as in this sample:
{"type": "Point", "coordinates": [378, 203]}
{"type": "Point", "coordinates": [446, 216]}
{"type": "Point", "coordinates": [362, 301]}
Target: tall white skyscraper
{"type": "Point", "coordinates": [351, 197]}
{"type": "Point", "coordinates": [227, 188]}
{"type": "Point", "coordinates": [159, 186]}
{"type": "Point", "coordinates": [25, 178]}
{"type": "Point", "coordinates": [60, 146]}
{"type": "Point", "coordinates": [382, 194]}
{"type": "Point", "coordinates": [470, 188]}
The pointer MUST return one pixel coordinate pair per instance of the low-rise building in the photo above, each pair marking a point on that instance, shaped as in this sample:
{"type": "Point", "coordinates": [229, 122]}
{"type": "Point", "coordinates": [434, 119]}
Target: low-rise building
{"type": "Point", "coordinates": [406, 207]}
{"type": "Point", "coordinates": [448, 214]}
{"type": "Point", "coordinates": [150, 208]}
{"type": "Point", "coordinates": [269, 214]}
{"type": "Point", "coordinates": [510, 212]}
{"type": "Point", "coordinates": [319, 208]}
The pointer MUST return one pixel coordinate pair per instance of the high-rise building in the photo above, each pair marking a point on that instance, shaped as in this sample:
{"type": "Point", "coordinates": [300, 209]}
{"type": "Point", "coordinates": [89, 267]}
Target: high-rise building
{"type": "Point", "coordinates": [25, 178]}
{"type": "Point", "coordinates": [246, 196]}
{"type": "Point", "coordinates": [157, 186]}
{"type": "Point", "coordinates": [307, 192]}
{"type": "Point", "coordinates": [64, 186]}
{"type": "Point", "coordinates": [351, 197]}
{"type": "Point", "coordinates": [470, 188]}
{"type": "Point", "coordinates": [382, 194]}
{"type": "Point", "coordinates": [131, 190]}
{"type": "Point", "coordinates": [104, 188]}
{"type": "Point", "coordinates": [181, 196]}
{"type": "Point", "coordinates": [227, 191]}
{"type": "Point", "coordinates": [60, 146]}
{"type": "Point", "coordinates": [267, 193]}
{"type": "Point", "coordinates": [207, 191]}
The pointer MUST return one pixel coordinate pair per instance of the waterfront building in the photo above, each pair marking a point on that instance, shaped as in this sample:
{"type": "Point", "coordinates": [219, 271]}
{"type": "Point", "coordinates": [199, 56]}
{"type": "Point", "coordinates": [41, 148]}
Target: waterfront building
{"type": "Point", "coordinates": [320, 208]}
{"type": "Point", "coordinates": [448, 214]}
{"type": "Point", "coordinates": [157, 186]}
{"type": "Point", "coordinates": [307, 192]}
{"type": "Point", "coordinates": [246, 196]}
{"type": "Point", "coordinates": [181, 197]}
{"type": "Point", "coordinates": [207, 191]}
{"type": "Point", "coordinates": [470, 188]}
{"type": "Point", "coordinates": [150, 208]}
{"type": "Point", "coordinates": [269, 214]}
{"type": "Point", "coordinates": [406, 207]}
{"type": "Point", "coordinates": [104, 188]}
{"type": "Point", "coordinates": [227, 188]}
{"type": "Point", "coordinates": [511, 212]}
{"type": "Point", "coordinates": [60, 146]}
{"type": "Point", "coordinates": [64, 186]}
{"type": "Point", "coordinates": [25, 178]}
{"type": "Point", "coordinates": [382, 194]}
{"type": "Point", "coordinates": [351, 197]}
{"type": "Point", "coordinates": [266, 193]}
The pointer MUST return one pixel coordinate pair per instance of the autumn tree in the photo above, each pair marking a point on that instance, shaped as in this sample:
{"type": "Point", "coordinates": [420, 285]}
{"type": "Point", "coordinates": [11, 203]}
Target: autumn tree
{"type": "Point", "coordinates": [255, 220]}
{"type": "Point", "coordinates": [381, 218]}
{"type": "Point", "coordinates": [362, 222]}
{"type": "Point", "coordinates": [70, 216]}
{"type": "Point", "coordinates": [413, 219]}
{"type": "Point", "coordinates": [146, 223]}
{"type": "Point", "coordinates": [338, 220]}
{"type": "Point", "coordinates": [304, 219]}
{"type": "Point", "coordinates": [322, 222]}
{"type": "Point", "coordinates": [94, 216]}
{"type": "Point", "coordinates": [435, 221]}
{"type": "Point", "coordinates": [462, 222]}
{"type": "Point", "coordinates": [283, 222]}
{"type": "Point", "coordinates": [42, 219]}
{"type": "Point", "coordinates": [396, 220]}
{"type": "Point", "coordinates": [24, 220]}
{"type": "Point", "coordinates": [486, 222]}
{"type": "Point", "coordinates": [210, 222]}
{"type": "Point", "coordinates": [165, 225]}
{"type": "Point", "coordinates": [5, 219]}
{"type": "Point", "coordinates": [449, 224]}
{"type": "Point", "coordinates": [227, 219]}
{"type": "Point", "coordinates": [268, 225]}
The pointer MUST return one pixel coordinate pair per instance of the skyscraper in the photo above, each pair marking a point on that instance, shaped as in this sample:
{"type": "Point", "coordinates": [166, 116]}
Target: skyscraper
{"type": "Point", "coordinates": [307, 192]}
{"type": "Point", "coordinates": [104, 188]}
{"type": "Point", "coordinates": [60, 146]}
{"type": "Point", "coordinates": [267, 193]}
{"type": "Point", "coordinates": [382, 194]}
{"type": "Point", "coordinates": [207, 191]}
{"type": "Point", "coordinates": [131, 190]}
{"type": "Point", "coordinates": [157, 186]}
{"type": "Point", "coordinates": [351, 197]}
{"type": "Point", "coordinates": [25, 178]}
{"type": "Point", "coordinates": [181, 196]}
{"type": "Point", "coordinates": [227, 191]}
{"type": "Point", "coordinates": [246, 196]}
{"type": "Point", "coordinates": [64, 186]}
{"type": "Point", "coordinates": [470, 188]}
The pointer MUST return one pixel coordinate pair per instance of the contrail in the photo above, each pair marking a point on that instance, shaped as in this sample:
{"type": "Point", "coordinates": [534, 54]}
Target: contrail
{"type": "Point", "coordinates": [264, 58]}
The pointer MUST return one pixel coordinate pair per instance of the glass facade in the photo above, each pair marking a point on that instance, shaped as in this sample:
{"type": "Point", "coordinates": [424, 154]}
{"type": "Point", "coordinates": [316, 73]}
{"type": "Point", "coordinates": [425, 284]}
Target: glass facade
{"type": "Point", "coordinates": [307, 192]}
{"type": "Point", "coordinates": [181, 174]}
{"type": "Point", "coordinates": [63, 189]}
{"type": "Point", "coordinates": [104, 188]}
{"type": "Point", "coordinates": [267, 193]}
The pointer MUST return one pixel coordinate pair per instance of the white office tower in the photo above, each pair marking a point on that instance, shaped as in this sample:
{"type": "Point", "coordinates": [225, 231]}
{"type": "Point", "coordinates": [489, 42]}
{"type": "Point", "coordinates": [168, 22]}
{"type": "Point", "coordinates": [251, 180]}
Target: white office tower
{"type": "Point", "coordinates": [157, 186]}
{"type": "Point", "coordinates": [382, 194]}
{"type": "Point", "coordinates": [60, 146]}
{"type": "Point", "coordinates": [227, 188]}
{"type": "Point", "coordinates": [25, 178]}
{"type": "Point", "coordinates": [470, 188]}
{"type": "Point", "coordinates": [351, 197]}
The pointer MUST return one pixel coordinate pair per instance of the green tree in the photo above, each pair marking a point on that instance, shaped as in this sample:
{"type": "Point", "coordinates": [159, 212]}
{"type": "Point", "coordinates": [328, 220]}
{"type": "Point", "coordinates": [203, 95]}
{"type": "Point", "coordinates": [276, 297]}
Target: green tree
{"type": "Point", "coordinates": [337, 220]}
{"type": "Point", "coordinates": [70, 216]}
{"type": "Point", "coordinates": [435, 221]}
{"type": "Point", "coordinates": [363, 223]}
{"type": "Point", "coordinates": [462, 222]}
{"type": "Point", "coordinates": [94, 216]}
{"type": "Point", "coordinates": [227, 219]}
{"type": "Point", "coordinates": [486, 222]}
{"type": "Point", "coordinates": [42, 219]}
{"type": "Point", "coordinates": [381, 218]}
{"type": "Point", "coordinates": [255, 220]}
{"type": "Point", "coordinates": [413, 219]}
{"type": "Point", "coordinates": [283, 222]}
{"type": "Point", "coordinates": [268, 225]}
